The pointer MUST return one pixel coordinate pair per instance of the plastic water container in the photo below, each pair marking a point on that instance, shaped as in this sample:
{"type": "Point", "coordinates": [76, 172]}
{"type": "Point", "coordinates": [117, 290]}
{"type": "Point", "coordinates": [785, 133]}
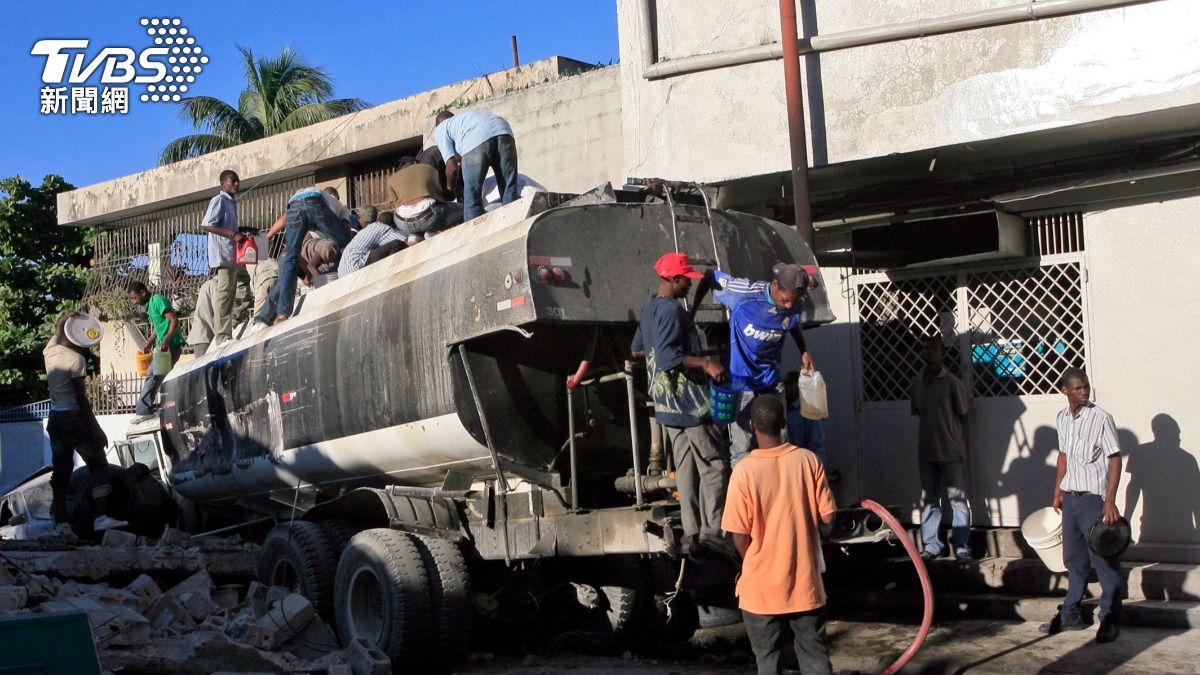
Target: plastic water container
{"type": "Point", "coordinates": [160, 363]}
{"type": "Point", "coordinates": [143, 360]}
{"type": "Point", "coordinates": [247, 251]}
{"type": "Point", "coordinates": [1042, 530]}
{"type": "Point", "coordinates": [723, 403]}
{"type": "Point", "coordinates": [814, 404]}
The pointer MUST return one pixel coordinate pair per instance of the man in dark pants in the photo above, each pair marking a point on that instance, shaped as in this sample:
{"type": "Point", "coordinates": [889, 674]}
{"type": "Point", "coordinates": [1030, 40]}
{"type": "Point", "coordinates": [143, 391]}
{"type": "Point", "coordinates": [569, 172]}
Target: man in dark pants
{"type": "Point", "coordinates": [667, 338]}
{"type": "Point", "coordinates": [73, 428]}
{"type": "Point", "coordinates": [1085, 490]}
{"type": "Point", "coordinates": [940, 400]}
{"type": "Point", "coordinates": [308, 209]}
{"type": "Point", "coordinates": [779, 502]}
{"type": "Point", "coordinates": [164, 336]}
{"type": "Point", "coordinates": [473, 142]}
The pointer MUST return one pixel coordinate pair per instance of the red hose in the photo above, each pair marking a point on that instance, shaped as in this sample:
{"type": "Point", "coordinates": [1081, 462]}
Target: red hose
{"type": "Point", "coordinates": [574, 380]}
{"type": "Point", "coordinates": [926, 587]}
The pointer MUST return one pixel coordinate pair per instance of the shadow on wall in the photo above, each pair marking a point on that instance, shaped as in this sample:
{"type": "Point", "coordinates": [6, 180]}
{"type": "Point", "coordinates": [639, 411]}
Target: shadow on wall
{"type": "Point", "coordinates": [1030, 477]}
{"type": "Point", "coordinates": [1164, 480]}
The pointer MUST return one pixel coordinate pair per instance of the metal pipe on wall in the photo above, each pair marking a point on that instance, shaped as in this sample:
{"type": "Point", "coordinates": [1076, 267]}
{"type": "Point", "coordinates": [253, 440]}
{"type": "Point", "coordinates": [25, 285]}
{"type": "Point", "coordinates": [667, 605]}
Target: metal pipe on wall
{"type": "Point", "coordinates": [789, 38]}
{"type": "Point", "coordinates": [860, 37]}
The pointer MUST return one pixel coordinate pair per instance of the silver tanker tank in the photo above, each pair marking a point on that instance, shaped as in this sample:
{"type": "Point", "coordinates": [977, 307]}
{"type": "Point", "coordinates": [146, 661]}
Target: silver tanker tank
{"type": "Point", "coordinates": [365, 385]}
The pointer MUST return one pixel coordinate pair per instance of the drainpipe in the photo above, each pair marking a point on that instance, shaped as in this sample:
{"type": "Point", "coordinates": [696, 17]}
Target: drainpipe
{"type": "Point", "coordinates": [1026, 11]}
{"type": "Point", "coordinates": [789, 39]}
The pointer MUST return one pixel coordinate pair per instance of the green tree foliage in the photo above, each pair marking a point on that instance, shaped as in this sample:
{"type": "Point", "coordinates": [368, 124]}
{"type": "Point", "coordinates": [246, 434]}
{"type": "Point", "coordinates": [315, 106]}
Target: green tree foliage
{"type": "Point", "coordinates": [282, 93]}
{"type": "Point", "coordinates": [43, 272]}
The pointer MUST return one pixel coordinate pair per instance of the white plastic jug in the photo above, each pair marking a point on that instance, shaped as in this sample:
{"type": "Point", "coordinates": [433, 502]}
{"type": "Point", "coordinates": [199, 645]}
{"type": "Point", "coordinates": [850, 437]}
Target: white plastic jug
{"type": "Point", "coordinates": [160, 364]}
{"type": "Point", "coordinates": [814, 404]}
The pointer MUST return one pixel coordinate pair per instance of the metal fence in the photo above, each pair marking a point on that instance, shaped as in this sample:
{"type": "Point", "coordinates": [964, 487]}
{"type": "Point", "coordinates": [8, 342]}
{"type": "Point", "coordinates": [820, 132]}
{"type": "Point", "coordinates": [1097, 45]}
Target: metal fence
{"type": "Point", "coordinates": [30, 412]}
{"type": "Point", "coordinates": [115, 394]}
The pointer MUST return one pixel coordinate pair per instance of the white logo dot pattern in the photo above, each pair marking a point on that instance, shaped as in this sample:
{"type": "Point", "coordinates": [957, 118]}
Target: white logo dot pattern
{"type": "Point", "coordinates": [170, 32]}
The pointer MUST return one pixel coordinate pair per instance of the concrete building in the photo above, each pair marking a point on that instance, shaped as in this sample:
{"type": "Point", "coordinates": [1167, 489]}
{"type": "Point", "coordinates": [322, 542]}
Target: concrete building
{"type": "Point", "coordinates": [1019, 181]}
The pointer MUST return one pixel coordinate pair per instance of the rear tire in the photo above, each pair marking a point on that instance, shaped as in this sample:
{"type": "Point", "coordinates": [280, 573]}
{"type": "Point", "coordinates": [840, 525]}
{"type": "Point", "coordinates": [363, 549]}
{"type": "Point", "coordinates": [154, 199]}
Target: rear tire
{"type": "Point", "coordinates": [340, 532]}
{"type": "Point", "coordinates": [450, 596]}
{"type": "Point", "coordinates": [299, 556]}
{"type": "Point", "coordinates": [382, 596]}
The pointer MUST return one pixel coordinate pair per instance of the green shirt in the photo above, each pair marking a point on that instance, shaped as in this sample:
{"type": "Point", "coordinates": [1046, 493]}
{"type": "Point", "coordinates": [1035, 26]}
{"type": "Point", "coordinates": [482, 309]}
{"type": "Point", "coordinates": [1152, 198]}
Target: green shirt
{"type": "Point", "coordinates": [159, 306]}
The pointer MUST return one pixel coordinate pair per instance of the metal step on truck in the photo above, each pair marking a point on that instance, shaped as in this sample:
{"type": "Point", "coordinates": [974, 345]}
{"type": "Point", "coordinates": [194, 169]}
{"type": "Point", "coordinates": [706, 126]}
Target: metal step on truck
{"type": "Point", "coordinates": [456, 433]}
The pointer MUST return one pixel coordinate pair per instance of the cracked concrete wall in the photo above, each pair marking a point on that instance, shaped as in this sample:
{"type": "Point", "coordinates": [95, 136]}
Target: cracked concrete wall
{"type": "Point", "coordinates": [567, 123]}
{"type": "Point", "coordinates": [897, 97]}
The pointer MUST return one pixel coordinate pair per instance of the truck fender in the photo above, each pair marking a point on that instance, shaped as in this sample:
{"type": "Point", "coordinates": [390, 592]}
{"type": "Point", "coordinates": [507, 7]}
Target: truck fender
{"type": "Point", "coordinates": [374, 507]}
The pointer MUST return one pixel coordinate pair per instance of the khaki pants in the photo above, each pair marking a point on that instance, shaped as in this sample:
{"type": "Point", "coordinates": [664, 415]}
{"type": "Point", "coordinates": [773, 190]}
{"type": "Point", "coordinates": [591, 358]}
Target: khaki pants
{"type": "Point", "coordinates": [227, 278]}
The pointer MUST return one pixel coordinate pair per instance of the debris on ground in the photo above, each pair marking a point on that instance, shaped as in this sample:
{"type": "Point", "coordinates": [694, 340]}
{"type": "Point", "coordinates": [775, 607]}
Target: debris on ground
{"type": "Point", "coordinates": [193, 626]}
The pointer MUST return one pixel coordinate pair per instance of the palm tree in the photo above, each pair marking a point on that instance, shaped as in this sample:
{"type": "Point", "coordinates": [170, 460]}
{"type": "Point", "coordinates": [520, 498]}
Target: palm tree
{"type": "Point", "coordinates": [281, 94]}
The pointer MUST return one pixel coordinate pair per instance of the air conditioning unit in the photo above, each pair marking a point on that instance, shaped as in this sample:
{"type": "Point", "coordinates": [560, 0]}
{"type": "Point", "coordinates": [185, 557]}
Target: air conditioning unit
{"type": "Point", "coordinates": [946, 240]}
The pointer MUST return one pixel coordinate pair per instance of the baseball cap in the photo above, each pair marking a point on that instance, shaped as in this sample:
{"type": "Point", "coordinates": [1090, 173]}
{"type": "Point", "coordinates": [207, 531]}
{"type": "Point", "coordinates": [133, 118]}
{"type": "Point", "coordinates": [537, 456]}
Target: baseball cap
{"type": "Point", "coordinates": [791, 277]}
{"type": "Point", "coordinates": [675, 264]}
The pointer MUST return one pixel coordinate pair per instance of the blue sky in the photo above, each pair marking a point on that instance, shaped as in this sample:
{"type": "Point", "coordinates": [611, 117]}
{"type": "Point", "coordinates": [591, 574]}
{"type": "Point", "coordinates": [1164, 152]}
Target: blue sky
{"type": "Point", "coordinates": [378, 51]}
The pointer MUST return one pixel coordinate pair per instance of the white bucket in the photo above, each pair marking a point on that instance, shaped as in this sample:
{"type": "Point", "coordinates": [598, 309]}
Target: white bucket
{"type": "Point", "coordinates": [1042, 530]}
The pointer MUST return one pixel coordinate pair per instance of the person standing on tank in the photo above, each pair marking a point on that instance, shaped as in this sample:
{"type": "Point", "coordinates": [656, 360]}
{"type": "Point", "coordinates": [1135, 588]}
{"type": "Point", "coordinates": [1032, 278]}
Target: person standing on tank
{"type": "Point", "coordinates": [221, 223]}
{"type": "Point", "coordinates": [473, 142]}
{"type": "Point", "coordinates": [678, 381]}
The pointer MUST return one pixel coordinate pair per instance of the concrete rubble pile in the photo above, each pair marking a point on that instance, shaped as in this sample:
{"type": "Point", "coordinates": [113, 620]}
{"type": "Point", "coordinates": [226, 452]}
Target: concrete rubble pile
{"type": "Point", "coordinates": [194, 626]}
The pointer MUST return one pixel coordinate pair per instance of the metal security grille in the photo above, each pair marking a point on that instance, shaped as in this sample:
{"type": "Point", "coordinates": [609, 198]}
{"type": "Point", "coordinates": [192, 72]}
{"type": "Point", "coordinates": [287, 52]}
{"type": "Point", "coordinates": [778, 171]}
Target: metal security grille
{"type": "Point", "coordinates": [1026, 327]}
{"type": "Point", "coordinates": [895, 316]}
{"type": "Point", "coordinates": [167, 250]}
{"type": "Point", "coordinates": [1056, 233]}
{"type": "Point", "coordinates": [371, 187]}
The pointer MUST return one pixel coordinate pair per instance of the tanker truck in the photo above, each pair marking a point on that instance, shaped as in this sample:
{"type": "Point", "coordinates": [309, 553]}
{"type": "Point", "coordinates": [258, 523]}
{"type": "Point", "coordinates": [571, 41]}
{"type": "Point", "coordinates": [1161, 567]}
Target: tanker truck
{"type": "Point", "coordinates": [457, 429]}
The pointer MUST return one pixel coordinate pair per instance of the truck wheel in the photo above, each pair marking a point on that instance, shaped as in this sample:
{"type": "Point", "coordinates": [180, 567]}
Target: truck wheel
{"type": "Point", "coordinates": [382, 596]}
{"type": "Point", "coordinates": [450, 593]}
{"type": "Point", "coordinates": [339, 532]}
{"type": "Point", "coordinates": [299, 556]}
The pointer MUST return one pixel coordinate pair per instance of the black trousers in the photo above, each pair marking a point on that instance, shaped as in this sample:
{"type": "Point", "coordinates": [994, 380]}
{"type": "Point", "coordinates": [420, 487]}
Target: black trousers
{"type": "Point", "coordinates": [75, 431]}
{"type": "Point", "coordinates": [768, 634]}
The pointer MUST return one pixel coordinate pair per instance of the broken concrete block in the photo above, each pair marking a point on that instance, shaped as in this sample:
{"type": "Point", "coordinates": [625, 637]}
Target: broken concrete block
{"type": "Point", "coordinates": [226, 596]}
{"type": "Point", "coordinates": [167, 617]}
{"type": "Point", "coordinates": [13, 597]}
{"type": "Point", "coordinates": [6, 577]}
{"type": "Point", "coordinates": [112, 625]}
{"type": "Point", "coordinates": [366, 659]}
{"type": "Point", "coordinates": [339, 669]}
{"type": "Point", "coordinates": [146, 591]}
{"type": "Point", "coordinates": [198, 604]}
{"type": "Point", "coordinates": [285, 618]}
{"type": "Point", "coordinates": [118, 539]}
{"type": "Point", "coordinates": [198, 581]}
{"type": "Point", "coordinates": [173, 537]}
{"type": "Point", "coordinates": [241, 627]}
{"type": "Point", "coordinates": [217, 621]}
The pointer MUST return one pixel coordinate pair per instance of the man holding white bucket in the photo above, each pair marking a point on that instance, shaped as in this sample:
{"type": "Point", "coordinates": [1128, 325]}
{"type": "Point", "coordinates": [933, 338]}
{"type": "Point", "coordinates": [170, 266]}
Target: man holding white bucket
{"type": "Point", "coordinates": [1085, 489]}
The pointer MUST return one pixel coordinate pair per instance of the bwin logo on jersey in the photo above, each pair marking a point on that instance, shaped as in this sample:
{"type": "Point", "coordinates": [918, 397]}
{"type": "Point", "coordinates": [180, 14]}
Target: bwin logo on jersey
{"type": "Point", "coordinates": [763, 335]}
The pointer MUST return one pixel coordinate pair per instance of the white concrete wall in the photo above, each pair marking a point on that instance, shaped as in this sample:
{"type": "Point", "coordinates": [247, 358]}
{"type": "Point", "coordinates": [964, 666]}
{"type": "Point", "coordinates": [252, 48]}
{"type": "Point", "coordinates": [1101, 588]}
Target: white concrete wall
{"type": "Point", "coordinates": [896, 97]}
{"type": "Point", "coordinates": [1143, 283]}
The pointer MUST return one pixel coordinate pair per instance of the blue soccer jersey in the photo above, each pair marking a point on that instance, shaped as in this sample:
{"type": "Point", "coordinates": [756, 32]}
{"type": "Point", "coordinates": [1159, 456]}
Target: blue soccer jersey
{"type": "Point", "coordinates": [756, 330]}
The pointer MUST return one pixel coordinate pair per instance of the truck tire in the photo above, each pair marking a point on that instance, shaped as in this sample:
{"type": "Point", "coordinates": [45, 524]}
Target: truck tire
{"type": "Point", "coordinates": [339, 532]}
{"type": "Point", "coordinates": [450, 600]}
{"type": "Point", "coordinates": [381, 595]}
{"type": "Point", "coordinates": [299, 556]}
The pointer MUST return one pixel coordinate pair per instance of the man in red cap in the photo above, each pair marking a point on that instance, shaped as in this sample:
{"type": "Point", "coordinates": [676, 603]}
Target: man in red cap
{"type": "Point", "coordinates": [678, 380]}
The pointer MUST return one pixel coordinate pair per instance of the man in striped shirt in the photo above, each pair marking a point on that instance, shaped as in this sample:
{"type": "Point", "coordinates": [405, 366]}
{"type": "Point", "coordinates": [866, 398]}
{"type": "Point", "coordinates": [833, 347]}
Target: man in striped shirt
{"type": "Point", "coordinates": [1089, 471]}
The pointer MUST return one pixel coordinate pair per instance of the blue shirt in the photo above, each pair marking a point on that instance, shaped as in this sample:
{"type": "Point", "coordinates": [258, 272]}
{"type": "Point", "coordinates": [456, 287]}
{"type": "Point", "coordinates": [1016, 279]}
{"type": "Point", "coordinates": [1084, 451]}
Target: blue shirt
{"type": "Point", "coordinates": [221, 213]}
{"type": "Point", "coordinates": [756, 330]}
{"type": "Point", "coordinates": [666, 334]}
{"type": "Point", "coordinates": [468, 130]}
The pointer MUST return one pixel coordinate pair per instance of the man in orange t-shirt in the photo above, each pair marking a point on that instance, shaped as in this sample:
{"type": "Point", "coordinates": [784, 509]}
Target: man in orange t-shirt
{"type": "Point", "coordinates": [777, 502]}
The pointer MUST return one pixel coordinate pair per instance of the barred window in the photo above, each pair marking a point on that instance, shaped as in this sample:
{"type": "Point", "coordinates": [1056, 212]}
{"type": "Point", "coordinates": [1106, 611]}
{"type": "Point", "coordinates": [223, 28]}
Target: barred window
{"type": "Point", "coordinates": [1008, 331]}
{"type": "Point", "coordinates": [895, 316]}
{"type": "Point", "coordinates": [1026, 327]}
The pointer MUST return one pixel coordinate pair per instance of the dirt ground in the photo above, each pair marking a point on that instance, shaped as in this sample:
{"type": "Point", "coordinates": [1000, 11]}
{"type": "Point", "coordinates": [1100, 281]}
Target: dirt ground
{"type": "Point", "coordinates": [978, 646]}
